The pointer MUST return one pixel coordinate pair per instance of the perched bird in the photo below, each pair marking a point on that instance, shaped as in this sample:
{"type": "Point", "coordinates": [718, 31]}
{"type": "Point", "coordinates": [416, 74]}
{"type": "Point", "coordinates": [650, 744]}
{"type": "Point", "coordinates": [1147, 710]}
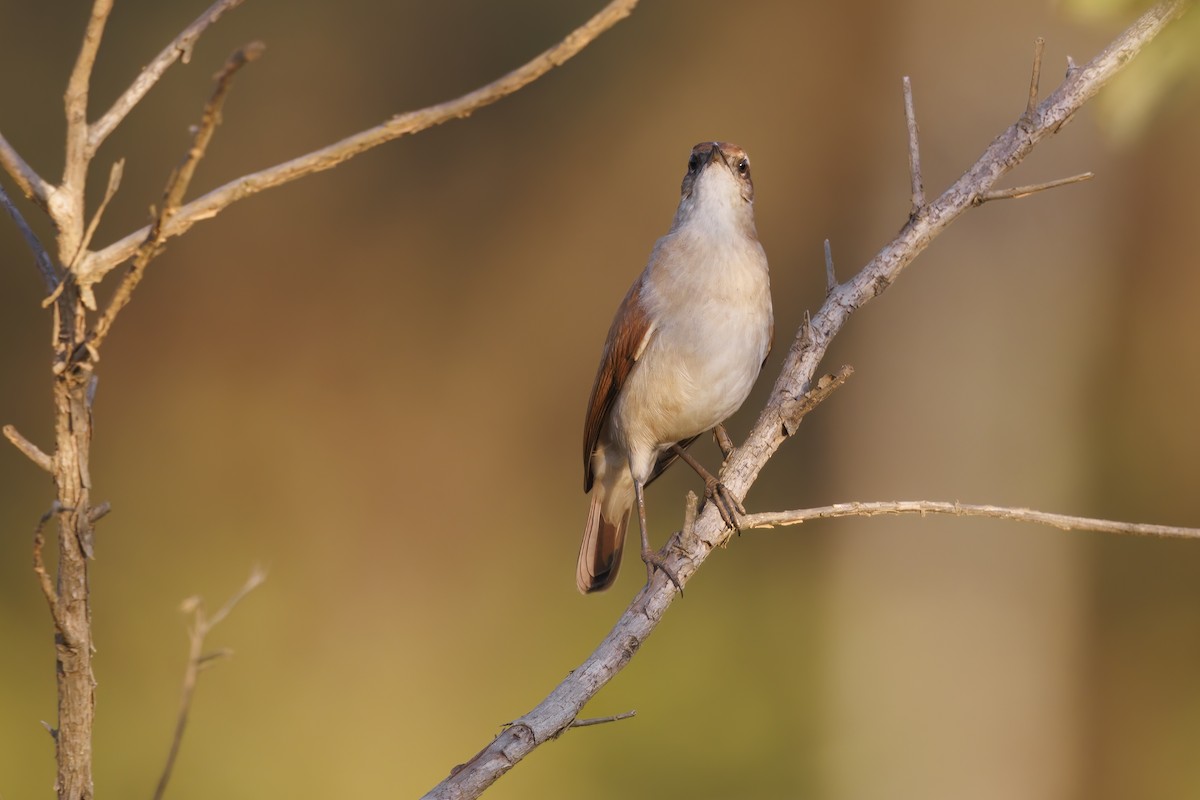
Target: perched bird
{"type": "Point", "coordinates": [684, 350]}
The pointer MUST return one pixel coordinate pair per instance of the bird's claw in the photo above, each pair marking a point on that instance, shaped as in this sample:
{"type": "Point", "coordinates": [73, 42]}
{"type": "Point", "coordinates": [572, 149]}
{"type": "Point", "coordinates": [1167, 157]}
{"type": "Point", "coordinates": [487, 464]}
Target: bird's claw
{"type": "Point", "coordinates": [655, 561]}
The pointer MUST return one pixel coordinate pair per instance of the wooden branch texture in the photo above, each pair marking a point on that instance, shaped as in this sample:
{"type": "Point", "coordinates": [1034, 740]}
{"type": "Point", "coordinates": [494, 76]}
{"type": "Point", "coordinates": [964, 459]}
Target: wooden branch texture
{"type": "Point", "coordinates": [687, 550]}
{"type": "Point", "coordinates": [96, 265]}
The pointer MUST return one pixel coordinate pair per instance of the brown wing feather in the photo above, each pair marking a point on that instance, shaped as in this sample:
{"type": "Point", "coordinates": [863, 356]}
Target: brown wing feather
{"type": "Point", "coordinates": [624, 345]}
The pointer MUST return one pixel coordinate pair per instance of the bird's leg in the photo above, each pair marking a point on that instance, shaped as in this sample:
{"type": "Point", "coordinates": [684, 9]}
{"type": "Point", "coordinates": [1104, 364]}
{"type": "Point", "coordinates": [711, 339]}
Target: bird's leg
{"type": "Point", "coordinates": [653, 560]}
{"type": "Point", "coordinates": [723, 441]}
{"type": "Point", "coordinates": [727, 505]}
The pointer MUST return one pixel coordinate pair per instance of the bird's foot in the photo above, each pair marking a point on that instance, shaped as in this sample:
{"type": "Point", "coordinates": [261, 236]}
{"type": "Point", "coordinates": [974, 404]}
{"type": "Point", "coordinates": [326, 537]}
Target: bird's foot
{"type": "Point", "coordinates": [728, 506]}
{"type": "Point", "coordinates": [655, 561]}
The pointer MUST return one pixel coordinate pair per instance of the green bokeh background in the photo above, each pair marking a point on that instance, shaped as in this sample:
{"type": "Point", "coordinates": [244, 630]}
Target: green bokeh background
{"type": "Point", "coordinates": [372, 383]}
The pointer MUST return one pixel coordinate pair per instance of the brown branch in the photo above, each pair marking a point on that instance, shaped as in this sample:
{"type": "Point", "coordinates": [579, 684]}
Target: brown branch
{"type": "Point", "coordinates": [1039, 46]}
{"type": "Point", "coordinates": [110, 191]}
{"type": "Point", "coordinates": [41, 258]}
{"type": "Point", "coordinates": [1033, 188]}
{"type": "Point", "coordinates": [31, 450]}
{"type": "Point", "coordinates": [178, 50]}
{"type": "Point", "coordinates": [39, 569]}
{"type": "Point", "coordinates": [689, 548]}
{"type": "Point", "coordinates": [31, 184]}
{"type": "Point", "coordinates": [874, 509]}
{"type": "Point", "coordinates": [914, 151]}
{"type": "Point", "coordinates": [177, 185]}
{"type": "Point", "coordinates": [202, 625]}
{"type": "Point", "coordinates": [96, 265]}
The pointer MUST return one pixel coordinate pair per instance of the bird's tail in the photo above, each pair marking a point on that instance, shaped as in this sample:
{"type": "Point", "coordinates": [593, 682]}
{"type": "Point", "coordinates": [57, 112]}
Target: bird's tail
{"type": "Point", "coordinates": [600, 553]}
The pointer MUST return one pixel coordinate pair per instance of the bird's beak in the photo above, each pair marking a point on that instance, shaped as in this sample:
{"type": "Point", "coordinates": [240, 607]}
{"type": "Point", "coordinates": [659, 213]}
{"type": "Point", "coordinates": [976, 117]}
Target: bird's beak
{"type": "Point", "coordinates": [717, 153]}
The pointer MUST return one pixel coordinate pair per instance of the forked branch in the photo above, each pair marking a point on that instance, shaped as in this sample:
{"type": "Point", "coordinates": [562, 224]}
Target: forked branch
{"type": "Point", "coordinates": [96, 265]}
{"type": "Point", "coordinates": [687, 550]}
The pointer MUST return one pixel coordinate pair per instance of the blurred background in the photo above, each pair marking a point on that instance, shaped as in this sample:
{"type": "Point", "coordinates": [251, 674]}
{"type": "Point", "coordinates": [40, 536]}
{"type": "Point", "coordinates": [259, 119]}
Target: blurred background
{"type": "Point", "coordinates": [372, 382]}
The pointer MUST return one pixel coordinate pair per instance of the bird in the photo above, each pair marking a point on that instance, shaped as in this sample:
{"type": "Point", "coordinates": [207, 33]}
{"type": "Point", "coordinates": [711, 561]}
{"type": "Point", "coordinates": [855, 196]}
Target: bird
{"type": "Point", "coordinates": [683, 352]}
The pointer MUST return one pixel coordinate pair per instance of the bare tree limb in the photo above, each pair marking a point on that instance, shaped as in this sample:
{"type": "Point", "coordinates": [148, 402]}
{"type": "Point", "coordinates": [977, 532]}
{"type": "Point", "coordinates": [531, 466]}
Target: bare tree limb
{"type": "Point", "coordinates": [178, 50]}
{"type": "Point", "coordinates": [1064, 522]}
{"type": "Point", "coordinates": [41, 258]}
{"type": "Point", "coordinates": [198, 660]}
{"type": "Point", "coordinates": [31, 184]}
{"type": "Point", "coordinates": [688, 549]}
{"type": "Point", "coordinates": [69, 196]}
{"type": "Point", "coordinates": [96, 265]}
{"type": "Point", "coordinates": [1039, 46]}
{"type": "Point", "coordinates": [173, 194]}
{"type": "Point", "coordinates": [914, 151]}
{"type": "Point", "coordinates": [31, 450]}
{"type": "Point", "coordinates": [1033, 188]}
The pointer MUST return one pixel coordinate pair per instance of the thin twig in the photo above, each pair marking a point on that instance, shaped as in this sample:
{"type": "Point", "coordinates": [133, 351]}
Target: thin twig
{"type": "Point", "coordinates": [95, 266]}
{"type": "Point", "coordinates": [830, 276]}
{"type": "Point", "coordinates": [873, 509]}
{"type": "Point", "coordinates": [178, 50]}
{"type": "Point", "coordinates": [1033, 188]}
{"type": "Point", "coordinates": [114, 183]}
{"type": "Point", "coordinates": [177, 185]}
{"type": "Point", "coordinates": [44, 579]}
{"type": "Point", "coordinates": [1039, 45]}
{"type": "Point", "coordinates": [41, 258]}
{"type": "Point", "coordinates": [31, 184]}
{"type": "Point", "coordinates": [686, 553]}
{"type": "Point", "coordinates": [197, 661]}
{"type": "Point", "coordinates": [584, 723]}
{"type": "Point", "coordinates": [31, 450]}
{"type": "Point", "coordinates": [795, 410]}
{"type": "Point", "coordinates": [914, 151]}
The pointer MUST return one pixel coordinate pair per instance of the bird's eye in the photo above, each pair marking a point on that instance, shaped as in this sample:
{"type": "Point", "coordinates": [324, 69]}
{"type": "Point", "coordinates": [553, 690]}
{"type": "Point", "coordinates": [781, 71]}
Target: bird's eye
{"type": "Point", "coordinates": [743, 167]}
{"type": "Point", "coordinates": [693, 163]}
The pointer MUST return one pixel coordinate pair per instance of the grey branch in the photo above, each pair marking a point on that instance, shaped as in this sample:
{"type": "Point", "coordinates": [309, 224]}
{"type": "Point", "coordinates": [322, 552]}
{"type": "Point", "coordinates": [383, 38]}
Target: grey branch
{"type": "Point", "coordinates": [914, 151]}
{"type": "Point", "coordinates": [31, 184]}
{"type": "Point", "coordinates": [96, 265]}
{"type": "Point", "coordinates": [178, 50]}
{"type": "Point", "coordinates": [688, 549]}
{"type": "Point", "coordinates": [880, 508]}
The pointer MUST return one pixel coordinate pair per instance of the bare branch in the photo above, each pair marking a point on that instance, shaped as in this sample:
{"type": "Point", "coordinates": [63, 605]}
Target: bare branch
{"type": "Point", "coordinates": [114, 183]}
{"type": "Point", "coordinates": [584, 723]}
{"type": "Point", "coordinates": [1033, 188]}
{"type": "Point", "coordinates": [1062, 521]}
{"type": "Point", "coordinates": [687, 549]}
{"type": "Point", "coordinates": [830, 276]}
{"type": "Point", "coordinates": [44, 579]}
{"type": "Point", "coordinates": [44, 263]}
{"type": "Point", "coordinates": [95, 265]}
{"type": "Point", "coordinates": [1039, 45]}
{"type": "Point", "coordinates": [31, 184]}
{"type": "Point", "coordinates": [178, 50]}
{"type": "Point", "coordinates": [199, 660]}
{"type": "Point", "coordinates": [173, 194]}
{"type": "Point", "coordinates": [31, 450]}
{"type": "Point", "coordinates": [914, 152]}
{"type": "Point", "coordinates": [69, 217]}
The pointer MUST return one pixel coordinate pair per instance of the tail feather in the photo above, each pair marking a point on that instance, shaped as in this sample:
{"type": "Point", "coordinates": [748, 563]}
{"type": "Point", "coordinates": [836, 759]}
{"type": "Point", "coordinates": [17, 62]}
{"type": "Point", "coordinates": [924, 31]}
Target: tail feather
{"type": "Point", "coordinates": [600, 553]}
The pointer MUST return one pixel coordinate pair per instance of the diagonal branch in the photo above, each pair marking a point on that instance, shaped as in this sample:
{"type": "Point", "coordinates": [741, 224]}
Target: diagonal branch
{"type": "Point", "coordinates": [44, 263]}
{"type": "Point", "coordinates": [179, 49]}
{"type": "Point", "coordinates": [687, 550]}
{"type": "Point", "coordinates": [96, 265]}
{"type": "Point", "coordinates": [173, 194]}
{"type": "Point", "coordinates": [1064, 522]}
{"type": "Point", "coordinates": [31, 184]}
